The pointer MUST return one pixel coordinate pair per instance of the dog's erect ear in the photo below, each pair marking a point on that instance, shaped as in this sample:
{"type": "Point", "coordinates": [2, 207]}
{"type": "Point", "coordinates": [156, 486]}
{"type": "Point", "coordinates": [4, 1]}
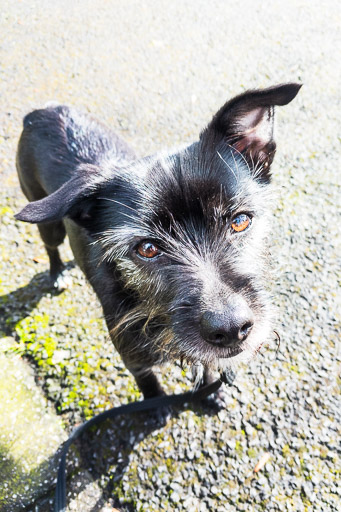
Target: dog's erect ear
{"type": "Point", "coordinates": [74, 199]}
{"type": "Point", "coordinates": [246, 122]}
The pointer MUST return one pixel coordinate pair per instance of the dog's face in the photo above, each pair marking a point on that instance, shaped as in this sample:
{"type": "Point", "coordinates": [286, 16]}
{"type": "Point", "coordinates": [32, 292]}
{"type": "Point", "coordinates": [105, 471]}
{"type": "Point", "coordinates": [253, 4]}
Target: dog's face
{"type": "Point", "coordinates": [185, 235]}
{"type": "Point", "coordinates": [191, 247]}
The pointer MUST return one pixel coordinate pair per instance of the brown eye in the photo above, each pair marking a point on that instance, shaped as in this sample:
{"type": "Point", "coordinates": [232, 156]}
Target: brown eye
{"type": "Point", "coordinates": [148, 250]}
{"type": "Point", "coordinates": [240, 222]}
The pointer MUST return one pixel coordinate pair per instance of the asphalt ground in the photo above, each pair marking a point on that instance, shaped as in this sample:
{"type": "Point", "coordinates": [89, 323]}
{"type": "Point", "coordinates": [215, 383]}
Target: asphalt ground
{"type": "Point", "coordinates": [156, 72]}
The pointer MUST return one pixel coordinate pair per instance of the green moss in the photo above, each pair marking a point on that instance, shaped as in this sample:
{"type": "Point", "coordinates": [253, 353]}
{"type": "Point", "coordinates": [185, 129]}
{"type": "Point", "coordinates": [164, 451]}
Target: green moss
{"type": "Point", "coordinates": [252, 453]}
{"type": "Point", "coordinates": [6, 210]}
{"type": "Point", "coordinates": [133, 392]}
{"type": "Point", "coordinates": [282, 472]}
{"type": "Point", "coordinates": [127, 496]}
{"type": "Point", "coordinates": [306, 502]}
{"type": "Point", "coordinates": [118, 490]}
{"type": "Point", "coordinates": [170, 465]}
{"type": "Point", "coordinates": [286, 450]}
{"type": "Point", "coordinates": [82, 375]}
{"type": "Point", "coordinates": [34, 339]}
{"type": "Point", "coordinates": [239, 449]}
{"type": "Point", "coordinates": [291, 462]}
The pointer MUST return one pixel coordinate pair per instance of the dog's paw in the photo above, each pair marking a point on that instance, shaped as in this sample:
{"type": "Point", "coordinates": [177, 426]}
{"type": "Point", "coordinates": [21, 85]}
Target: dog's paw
{"type": "Point", "coordinates": [61, 281]}
{"type": "Point", "coordinates": [217, 401]}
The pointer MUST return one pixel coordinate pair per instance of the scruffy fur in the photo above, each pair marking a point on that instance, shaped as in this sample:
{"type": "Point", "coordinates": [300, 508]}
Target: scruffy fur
{"type": "Point", "coordinates": [202, 298]}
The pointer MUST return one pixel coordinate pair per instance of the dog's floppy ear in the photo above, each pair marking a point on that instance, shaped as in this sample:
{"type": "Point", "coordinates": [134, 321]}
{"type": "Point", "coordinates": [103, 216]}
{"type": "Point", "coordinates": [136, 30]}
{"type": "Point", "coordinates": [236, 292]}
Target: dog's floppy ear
{"type": "Point", "coordinates": [247, 121]}
{"type": "Point", "coordinates": [74, 199]}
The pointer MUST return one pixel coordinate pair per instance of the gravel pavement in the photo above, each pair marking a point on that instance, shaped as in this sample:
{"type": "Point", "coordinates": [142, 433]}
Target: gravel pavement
{"type": "Point", "coordinates": [156, 71]}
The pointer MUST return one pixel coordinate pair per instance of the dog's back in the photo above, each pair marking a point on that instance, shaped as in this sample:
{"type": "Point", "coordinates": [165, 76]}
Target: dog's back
{"type": "Point", "coordinates": [55, 140]}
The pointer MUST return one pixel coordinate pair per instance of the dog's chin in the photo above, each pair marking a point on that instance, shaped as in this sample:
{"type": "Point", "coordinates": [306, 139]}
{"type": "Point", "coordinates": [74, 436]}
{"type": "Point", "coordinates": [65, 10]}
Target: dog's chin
{"type": "Point", "coordinates": [224, 357]}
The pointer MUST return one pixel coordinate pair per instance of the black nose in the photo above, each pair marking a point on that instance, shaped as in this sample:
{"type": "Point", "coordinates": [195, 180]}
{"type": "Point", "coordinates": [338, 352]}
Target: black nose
{"type": "Point", "coordinates": [226, 328]}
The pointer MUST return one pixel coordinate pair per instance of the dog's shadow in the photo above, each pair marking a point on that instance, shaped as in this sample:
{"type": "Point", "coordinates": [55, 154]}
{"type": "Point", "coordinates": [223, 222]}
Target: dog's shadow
{"type": "Point", "coordinates": [18, 304]}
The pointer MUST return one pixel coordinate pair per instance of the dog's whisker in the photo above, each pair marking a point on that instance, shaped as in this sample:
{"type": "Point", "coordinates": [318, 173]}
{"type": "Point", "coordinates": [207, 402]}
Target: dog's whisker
{"type": "Point", "coordinates": [278, 340]}
{"type": "Point", "coordinates": [228, 166]}
{"type": "Point", "coordinates": [118, 202]}
{"type": "Point", "coordinates": [234, 149]}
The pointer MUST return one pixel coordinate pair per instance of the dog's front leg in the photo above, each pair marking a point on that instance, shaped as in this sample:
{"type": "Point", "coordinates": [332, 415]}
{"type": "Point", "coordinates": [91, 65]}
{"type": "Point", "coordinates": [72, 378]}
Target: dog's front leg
{"type": "Point", "coordinates": [203, 376]}
{"type": "Point", "coordinates": [209, 376]}
{"type": "Point", "coordinates": [147, 382]}
{"type": "Point", "coordinates": [151, 387]}
{"type": "Point", "coordinates": [217, 400]}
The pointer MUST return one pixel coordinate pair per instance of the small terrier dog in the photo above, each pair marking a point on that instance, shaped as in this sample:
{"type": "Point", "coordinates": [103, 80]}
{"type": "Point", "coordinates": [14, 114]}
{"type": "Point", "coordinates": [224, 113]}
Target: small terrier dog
{"type": "Point", "coordinates": [173, 244]}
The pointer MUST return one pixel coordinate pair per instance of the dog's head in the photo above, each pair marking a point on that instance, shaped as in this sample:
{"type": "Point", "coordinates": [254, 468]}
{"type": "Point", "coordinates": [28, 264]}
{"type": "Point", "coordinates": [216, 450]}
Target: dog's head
{"type": "Point", "coordinates": [185, 235]}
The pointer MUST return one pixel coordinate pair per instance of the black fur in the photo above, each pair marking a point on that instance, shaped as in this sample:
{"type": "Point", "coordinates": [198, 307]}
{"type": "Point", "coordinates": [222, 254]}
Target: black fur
{"type": "Point", "coordinates": [202, 296]}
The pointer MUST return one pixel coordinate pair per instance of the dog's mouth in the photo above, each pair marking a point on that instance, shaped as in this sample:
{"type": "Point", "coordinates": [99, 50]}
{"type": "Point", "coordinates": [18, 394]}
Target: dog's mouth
{"type": "Point", "coordinates": [195, 349]}
{"type": "Point", "coordinates": [227, 351]}
{"type": "Point", "coordinates": [234, 349]}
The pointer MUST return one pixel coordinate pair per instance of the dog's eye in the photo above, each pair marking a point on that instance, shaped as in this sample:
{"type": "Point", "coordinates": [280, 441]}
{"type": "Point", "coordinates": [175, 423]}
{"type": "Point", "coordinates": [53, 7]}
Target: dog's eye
{"type": "Point", "coordinates": [148, 250]}
{"type": "Point", "coordinates": [240, 222]}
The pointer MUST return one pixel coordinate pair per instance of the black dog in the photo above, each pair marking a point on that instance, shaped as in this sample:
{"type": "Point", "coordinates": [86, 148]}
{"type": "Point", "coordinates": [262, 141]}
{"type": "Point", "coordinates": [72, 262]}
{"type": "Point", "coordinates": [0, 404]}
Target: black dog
{"type": "Point", "coordinates": [172, 244]}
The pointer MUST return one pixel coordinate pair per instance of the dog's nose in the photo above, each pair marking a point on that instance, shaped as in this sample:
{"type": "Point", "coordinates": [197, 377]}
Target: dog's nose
{"type": "Point", "coordinates": [226, 328]}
